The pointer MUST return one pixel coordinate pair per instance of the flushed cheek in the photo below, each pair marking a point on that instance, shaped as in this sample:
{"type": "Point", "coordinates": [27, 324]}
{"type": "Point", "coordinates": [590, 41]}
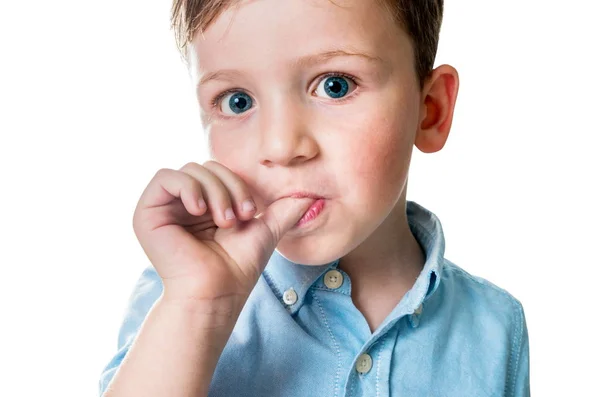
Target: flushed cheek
{"type": "Point", "coordinates": [379, 166]}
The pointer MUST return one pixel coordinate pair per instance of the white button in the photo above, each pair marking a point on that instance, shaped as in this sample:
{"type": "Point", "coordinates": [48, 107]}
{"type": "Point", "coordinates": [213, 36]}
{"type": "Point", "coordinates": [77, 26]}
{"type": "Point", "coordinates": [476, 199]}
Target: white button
{"type": "Point", "coordinates": [364, 363]}
{"type": "Point", "coordinates": [419, 310]}
{"type": "Point", "coordinates": [333, 279]}
{"type": "Point", "coordinates": [290, 296]}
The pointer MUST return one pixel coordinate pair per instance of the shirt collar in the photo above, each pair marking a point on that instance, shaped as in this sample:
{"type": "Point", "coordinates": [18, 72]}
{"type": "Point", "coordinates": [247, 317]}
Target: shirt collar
{"type": "Point", "coordinates": [283, 275]}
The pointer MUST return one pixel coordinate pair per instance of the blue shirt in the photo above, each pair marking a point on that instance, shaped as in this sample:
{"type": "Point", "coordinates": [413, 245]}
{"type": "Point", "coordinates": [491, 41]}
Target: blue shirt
{"type": "Point", "coordinates": [299, 333]}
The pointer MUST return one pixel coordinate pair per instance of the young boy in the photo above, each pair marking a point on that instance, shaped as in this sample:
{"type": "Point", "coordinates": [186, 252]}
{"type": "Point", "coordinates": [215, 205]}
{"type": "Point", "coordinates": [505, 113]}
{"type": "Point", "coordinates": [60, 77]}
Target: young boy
{"type": "Point", "coordinates": [291, 264]}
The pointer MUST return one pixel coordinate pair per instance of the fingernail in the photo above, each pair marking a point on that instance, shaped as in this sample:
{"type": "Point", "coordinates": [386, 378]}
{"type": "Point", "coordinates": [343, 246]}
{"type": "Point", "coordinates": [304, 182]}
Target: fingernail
{"type": "Point", "coordinates": [202, 204]}
{"type": "Point", "coordinates": [229, 214]}
{"type": "Point", "coordinates": [248, 206]}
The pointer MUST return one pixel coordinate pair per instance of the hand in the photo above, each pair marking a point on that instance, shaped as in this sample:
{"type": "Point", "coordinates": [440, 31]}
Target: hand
{"type": "Point", "coordinates": [199, 254]}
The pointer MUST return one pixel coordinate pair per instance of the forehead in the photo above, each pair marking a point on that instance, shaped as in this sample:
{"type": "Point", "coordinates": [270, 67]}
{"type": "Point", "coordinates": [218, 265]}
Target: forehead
{"type": "Point", "coordinates": [273, 34]}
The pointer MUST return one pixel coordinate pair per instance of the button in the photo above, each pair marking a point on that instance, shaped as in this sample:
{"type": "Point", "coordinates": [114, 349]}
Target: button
{"type": "Point", "coordinates": [290, 296]}
{"type": "Point", "coordinates": [333, 279]}
{"type": "Point", "coordinates": [364, 363]}
{"type": "Point", "coordinates": [418, 310]}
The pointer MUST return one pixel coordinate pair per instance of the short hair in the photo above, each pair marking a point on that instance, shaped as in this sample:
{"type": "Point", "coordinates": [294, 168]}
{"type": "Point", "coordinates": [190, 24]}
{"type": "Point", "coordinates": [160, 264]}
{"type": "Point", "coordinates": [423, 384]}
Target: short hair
{"type": "Point", "coordinates": [420, 19]}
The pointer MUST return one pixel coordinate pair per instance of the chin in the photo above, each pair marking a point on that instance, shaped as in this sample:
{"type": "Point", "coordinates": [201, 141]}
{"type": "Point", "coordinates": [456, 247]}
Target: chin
{"type": "Point", "coordinates": [317, 254]}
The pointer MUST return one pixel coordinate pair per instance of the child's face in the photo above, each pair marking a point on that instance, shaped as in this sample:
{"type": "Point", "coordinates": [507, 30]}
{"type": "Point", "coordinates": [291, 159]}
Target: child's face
{"type": "Point", "coordinates": [296, 128]}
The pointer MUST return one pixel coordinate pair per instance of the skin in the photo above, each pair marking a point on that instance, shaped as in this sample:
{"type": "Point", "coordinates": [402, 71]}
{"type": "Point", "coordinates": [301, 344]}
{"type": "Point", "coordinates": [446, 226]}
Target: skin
{"type": "Point", "coordinates": [354, 151]}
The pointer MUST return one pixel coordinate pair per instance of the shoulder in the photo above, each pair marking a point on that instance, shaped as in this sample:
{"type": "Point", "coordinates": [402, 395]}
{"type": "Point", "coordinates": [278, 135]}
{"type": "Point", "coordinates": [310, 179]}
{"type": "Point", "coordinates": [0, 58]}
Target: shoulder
{"type": "Point", "coordinates": [492, 317]}
{"type": "Point", "coordinates": [481, 294]}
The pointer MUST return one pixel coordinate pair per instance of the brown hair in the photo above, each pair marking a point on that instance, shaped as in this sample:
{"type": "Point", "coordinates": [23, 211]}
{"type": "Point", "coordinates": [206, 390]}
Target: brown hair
{"type": "Point", "coordinates": [420, 19]}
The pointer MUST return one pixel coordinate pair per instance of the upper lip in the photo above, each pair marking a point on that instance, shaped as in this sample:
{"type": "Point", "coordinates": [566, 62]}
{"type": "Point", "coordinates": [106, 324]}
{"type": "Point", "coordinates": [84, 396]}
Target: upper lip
{"type": "Point", "coordinates": [301, 194]}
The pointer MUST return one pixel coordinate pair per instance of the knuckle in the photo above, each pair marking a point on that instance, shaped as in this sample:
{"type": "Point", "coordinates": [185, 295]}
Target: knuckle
{"type": "Point", "coordinates": [191, 183]}
{"type": "Point", "coordinates": [188, 165]}
{"type": "Point", "coordinates": [190, 177]}
{"type": "Point", "coordinates": [162, 172]}
{"type": "Point", "coordinates": [194, 186]}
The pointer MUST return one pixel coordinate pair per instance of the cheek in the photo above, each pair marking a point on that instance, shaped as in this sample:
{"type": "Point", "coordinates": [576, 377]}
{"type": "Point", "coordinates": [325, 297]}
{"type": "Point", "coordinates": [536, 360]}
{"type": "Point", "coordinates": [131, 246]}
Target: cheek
{"type": "Point", "coordinates": [377, 171]}
{"type": "Point", "coordinates": [384, 133]}
{"type": "Point", "coordinates": [380, 161]}
{"type": "Point", "coordinates": [233, 154]}
{"type": "Point", "coordinates": [223, 149]}
{"type": "Point", "coordinates": [381, 153]}
{"type": "Point", "coordinates": [217, 146]}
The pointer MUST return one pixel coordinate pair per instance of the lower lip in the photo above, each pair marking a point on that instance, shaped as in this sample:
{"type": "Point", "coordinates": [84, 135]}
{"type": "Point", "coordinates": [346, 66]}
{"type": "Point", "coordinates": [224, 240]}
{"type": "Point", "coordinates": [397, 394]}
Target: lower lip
{"type": "Point", "coordinates": [311, 213]}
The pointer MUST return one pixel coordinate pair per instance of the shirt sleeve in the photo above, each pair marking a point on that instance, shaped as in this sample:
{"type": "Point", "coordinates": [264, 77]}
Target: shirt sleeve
{"type": "Point", "coordinates": [145, 293]}
{"type": "Point", "coordinates": [520, 357]}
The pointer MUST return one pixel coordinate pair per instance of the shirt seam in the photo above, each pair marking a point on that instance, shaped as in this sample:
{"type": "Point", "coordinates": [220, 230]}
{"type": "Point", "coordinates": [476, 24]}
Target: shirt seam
{"type": "Point", "coordinates": [377, 374]}
{"type": "Point", "coordinates": [426, 234]}
{"type": "Point", "coordinates": [516, 348]}
{"type": "Point", "coordinates": [335, 344]}
{"type": "Point", "coordinates": [273, 286]}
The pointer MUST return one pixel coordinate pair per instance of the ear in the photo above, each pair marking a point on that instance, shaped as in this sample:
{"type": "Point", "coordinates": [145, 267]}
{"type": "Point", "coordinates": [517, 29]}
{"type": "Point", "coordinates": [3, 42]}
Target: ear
{"type": "Point", "coordinates": [437, 109]}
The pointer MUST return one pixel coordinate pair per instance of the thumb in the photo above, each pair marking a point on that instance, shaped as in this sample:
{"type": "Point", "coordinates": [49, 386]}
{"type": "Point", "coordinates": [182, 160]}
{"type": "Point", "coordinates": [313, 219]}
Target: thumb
{"type": "Point", "coordinates": [253, 245]}
{"type": "Point", "coordinates": [283, 214]}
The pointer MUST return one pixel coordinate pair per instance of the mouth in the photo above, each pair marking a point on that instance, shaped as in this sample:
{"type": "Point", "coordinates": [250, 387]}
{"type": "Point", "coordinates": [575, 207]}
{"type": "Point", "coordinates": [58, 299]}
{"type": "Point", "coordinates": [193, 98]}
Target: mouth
{"type": "Point", "coordinates": [305, 195]}
{"type": "Point", "coordinates": [312, 213]}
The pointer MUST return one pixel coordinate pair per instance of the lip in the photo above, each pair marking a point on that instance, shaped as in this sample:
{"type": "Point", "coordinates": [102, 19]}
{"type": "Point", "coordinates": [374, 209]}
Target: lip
{"type": "Point", "coordinates": [296, 194]}
{"type": "Point", "coordinates": [311, 214]}
{"type": "Point", "coordinates": [309, 219]}
{"type": "Point", "coordinates": [303, 195]}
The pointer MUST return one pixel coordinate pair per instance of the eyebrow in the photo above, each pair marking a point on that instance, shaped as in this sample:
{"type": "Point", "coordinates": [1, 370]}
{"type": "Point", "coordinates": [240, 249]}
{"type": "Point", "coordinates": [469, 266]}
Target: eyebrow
{"type": "Point", "coordinates": [228, 74]}
{"type": "Point", "coordinates": [327, 55]}
{"type": "Point", "coordinates": [302, 62]}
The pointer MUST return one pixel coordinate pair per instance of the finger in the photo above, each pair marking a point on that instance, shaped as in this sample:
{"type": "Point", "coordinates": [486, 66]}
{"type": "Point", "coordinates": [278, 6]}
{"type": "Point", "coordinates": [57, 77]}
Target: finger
{"type": "Point", "coordinates": [215, 194]}
{"type": "Point", "coordinates": [242, 201]}
{"type": "Point", "coordinates": [168, 184]}
{"type": "Point", "coordinates": [283, 214]}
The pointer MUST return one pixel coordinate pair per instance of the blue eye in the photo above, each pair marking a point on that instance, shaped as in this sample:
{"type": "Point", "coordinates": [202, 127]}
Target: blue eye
{"type": "Point", "coordinates": [334, 87]}
{"type": "Point", "coordinates": [235, 103]}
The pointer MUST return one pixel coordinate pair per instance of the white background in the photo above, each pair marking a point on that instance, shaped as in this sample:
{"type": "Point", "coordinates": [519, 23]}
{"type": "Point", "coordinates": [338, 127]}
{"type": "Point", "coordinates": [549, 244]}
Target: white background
{"type": "Point", "coordinates": [94, 100]}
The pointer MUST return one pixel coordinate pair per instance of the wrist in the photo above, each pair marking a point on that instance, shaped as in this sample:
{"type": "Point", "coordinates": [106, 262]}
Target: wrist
{"type": "Point", "coordinates": [214, 314]}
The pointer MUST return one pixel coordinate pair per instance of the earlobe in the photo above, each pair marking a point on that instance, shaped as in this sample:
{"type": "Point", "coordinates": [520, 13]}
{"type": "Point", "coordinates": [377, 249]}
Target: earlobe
{"type": "Point", "coordinates": [437, 109]}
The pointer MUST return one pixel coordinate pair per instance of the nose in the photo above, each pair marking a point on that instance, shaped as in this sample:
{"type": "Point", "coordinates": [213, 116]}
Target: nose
{"type": "Point", "coordinates": [286, 136]}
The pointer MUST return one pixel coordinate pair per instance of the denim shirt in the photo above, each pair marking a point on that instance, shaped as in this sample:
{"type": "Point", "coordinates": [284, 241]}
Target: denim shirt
{"type": "Point", "coordinates": [299, 333]}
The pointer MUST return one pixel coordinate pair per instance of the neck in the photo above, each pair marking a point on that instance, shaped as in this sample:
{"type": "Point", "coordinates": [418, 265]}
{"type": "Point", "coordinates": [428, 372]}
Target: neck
{"type": "Point", "coordinates": [384, 267]}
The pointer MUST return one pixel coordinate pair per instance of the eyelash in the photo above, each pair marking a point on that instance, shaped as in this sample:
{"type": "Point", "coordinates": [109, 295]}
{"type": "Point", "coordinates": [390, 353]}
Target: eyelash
{"type": "Point", "coordinates": [216, 100]}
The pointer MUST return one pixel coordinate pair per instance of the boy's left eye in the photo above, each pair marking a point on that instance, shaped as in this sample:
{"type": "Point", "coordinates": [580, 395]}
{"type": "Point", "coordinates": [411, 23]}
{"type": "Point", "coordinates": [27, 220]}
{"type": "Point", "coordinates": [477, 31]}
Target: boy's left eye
{"type": "Point", "coordinates": [335, 87]}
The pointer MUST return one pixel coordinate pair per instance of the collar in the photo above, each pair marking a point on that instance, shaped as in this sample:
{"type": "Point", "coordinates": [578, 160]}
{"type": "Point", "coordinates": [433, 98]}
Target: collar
{"type": "Point", "coordinates": [285, 277]}
{"type": "Point", "coordinates": [293, 280]}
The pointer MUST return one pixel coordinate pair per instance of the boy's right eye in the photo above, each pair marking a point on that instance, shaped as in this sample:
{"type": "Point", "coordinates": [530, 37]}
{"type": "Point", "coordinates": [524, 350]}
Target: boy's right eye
{"type": "Point", "coordinates": [234, 103]}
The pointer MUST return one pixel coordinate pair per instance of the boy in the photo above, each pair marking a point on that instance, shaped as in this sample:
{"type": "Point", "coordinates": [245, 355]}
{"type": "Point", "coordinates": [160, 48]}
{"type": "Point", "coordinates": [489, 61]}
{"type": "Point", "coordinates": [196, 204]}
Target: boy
{"type": "Point", "coordinates": [291, 264]}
